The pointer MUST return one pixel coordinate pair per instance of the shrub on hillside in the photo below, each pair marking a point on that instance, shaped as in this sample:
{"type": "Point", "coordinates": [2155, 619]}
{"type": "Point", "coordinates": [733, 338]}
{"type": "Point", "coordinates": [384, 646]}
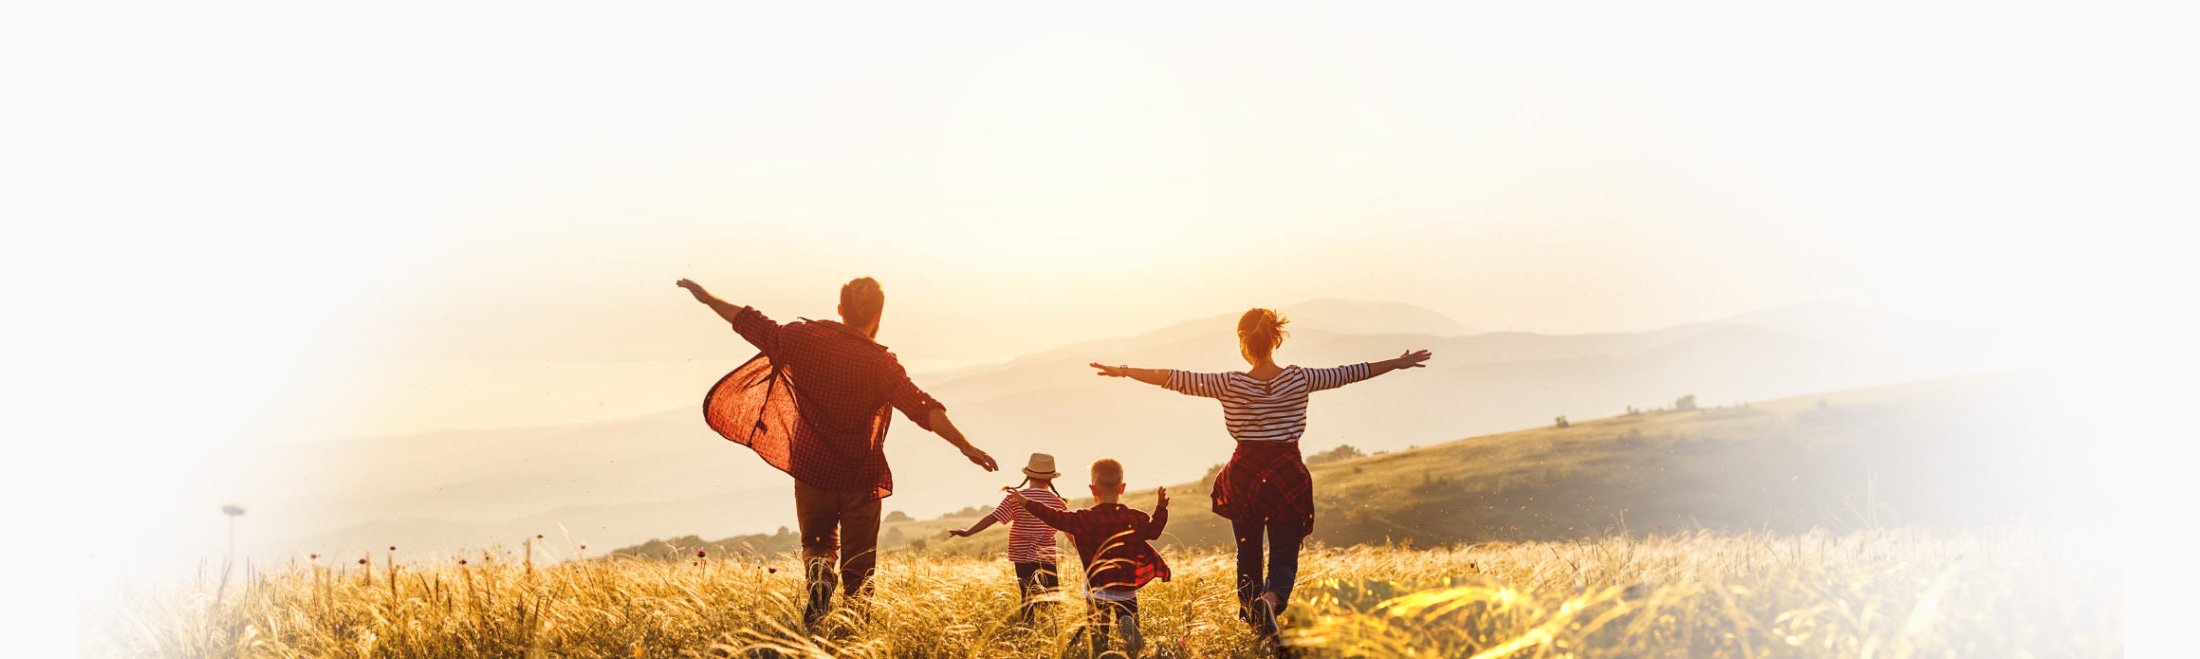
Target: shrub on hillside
{"type": "Point", "coordinates": [1342, 452]}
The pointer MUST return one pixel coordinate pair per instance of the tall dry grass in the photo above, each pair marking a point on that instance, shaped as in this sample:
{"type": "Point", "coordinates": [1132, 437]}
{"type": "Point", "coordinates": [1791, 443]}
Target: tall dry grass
{"type": "Point", "coordinates": [1882, 593]}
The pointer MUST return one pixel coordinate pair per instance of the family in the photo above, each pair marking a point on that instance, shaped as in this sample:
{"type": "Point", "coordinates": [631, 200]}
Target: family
{"type": "Point", "coordinates": [816, 401]}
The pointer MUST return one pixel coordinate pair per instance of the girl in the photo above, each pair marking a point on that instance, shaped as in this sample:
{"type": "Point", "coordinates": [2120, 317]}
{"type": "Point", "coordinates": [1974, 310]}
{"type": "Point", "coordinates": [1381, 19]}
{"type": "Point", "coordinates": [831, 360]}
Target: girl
{"type": "Point", "coordinates": [1031, 544]}
{"type": "Point", "coordinates": [1264, 489]}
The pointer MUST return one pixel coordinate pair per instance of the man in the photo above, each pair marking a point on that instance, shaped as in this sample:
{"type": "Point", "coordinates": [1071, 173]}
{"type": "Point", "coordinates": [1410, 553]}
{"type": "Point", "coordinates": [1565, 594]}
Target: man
{"type": "Point", "coordinates": [815, 404]}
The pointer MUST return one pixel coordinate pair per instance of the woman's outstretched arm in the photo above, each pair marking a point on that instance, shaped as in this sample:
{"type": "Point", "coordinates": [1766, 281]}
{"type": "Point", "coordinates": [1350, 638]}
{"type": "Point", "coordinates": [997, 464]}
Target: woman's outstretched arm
{"type": "Point", "coordinates": [1152, 376]}
{"type": "Point", "coordinates": [1411, 359]}
{"type": "Point", "coordinates": [1323, 379]}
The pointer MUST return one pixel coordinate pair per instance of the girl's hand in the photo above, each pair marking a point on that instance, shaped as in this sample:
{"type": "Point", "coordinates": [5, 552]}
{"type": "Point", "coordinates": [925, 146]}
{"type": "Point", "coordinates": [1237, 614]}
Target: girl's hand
{"type": "Point", "coordinates": [959, 533]}
{"type": "Point", "coordinates": [1111, 371]}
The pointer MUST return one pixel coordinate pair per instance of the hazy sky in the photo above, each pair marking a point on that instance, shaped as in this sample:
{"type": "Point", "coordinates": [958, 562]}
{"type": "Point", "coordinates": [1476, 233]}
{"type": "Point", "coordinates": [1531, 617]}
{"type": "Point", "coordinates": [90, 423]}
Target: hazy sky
{"type": "Point", "coordinates": [350, 222]}
{"type": "Point", "coordinates": [283, 221]}
{"type": "Point", "coordinates": [376, 220]}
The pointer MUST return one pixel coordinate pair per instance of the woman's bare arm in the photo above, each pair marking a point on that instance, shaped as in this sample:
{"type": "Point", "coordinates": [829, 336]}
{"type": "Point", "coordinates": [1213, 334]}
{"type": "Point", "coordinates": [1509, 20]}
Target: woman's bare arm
{"type": "Point", "coordinates": [1411, 359]}
{"type": "Point", "coordinates": [1152, 376]}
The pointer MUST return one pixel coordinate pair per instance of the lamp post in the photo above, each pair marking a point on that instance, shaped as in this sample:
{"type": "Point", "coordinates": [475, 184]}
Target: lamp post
{"type": "Point", "coordinates": [233, 511]}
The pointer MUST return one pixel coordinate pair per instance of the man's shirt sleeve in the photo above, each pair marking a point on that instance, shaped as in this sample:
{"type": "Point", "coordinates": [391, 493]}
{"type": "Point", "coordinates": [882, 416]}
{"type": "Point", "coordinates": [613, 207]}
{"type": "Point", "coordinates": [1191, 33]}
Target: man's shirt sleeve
{"type": "Point", "coordinates": [913, 402]}
{"type": "Point", "coordinates": [760, 331]}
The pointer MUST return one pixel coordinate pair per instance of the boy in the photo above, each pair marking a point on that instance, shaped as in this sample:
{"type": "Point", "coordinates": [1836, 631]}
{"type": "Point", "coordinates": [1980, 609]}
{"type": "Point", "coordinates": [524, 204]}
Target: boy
{"type": "Point", "coordinates": [1113, 541]}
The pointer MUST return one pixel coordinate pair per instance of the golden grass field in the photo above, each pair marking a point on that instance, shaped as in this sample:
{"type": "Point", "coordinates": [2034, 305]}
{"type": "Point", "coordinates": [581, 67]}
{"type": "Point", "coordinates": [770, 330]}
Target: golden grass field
{"type": "Point", "coordinates": [1903, 592]}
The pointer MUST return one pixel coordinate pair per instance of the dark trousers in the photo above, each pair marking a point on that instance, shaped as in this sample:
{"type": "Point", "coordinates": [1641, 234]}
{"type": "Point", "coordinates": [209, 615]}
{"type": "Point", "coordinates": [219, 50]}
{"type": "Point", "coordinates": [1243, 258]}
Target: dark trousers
{"type": "Point", "coordinates": [1033, 580]}
{"type": "Point", "coordinates": [1101, 624]}
{"type": "Point", "coordinates": [839, 533]}
{"type": "Point", "coordinates": [1283, 561]}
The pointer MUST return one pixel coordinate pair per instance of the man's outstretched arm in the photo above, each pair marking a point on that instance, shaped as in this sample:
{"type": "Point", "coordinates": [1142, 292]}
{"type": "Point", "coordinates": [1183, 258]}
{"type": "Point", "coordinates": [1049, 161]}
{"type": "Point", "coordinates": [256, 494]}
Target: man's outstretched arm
{"type": "Point", "coordinates": [947, 430]}
{"type": "Point", "coordinates": [759, 331]}
{"type": "Point", "coordinates": [726, 310]}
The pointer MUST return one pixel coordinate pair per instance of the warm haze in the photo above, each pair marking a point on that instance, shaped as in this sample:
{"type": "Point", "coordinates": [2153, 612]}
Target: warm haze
{"type": "Point", "coordinates": [408, 271]}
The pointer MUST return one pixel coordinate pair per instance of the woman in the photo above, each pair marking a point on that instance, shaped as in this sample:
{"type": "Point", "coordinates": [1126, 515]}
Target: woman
{"type": "Point", "coordinates": [1265, 489]}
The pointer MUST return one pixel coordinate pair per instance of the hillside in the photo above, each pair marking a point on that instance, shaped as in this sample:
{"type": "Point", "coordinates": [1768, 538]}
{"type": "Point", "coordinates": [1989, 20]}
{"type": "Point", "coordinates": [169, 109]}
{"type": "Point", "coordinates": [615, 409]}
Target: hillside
{"type": "Point", "coordinates": [1958, 452]}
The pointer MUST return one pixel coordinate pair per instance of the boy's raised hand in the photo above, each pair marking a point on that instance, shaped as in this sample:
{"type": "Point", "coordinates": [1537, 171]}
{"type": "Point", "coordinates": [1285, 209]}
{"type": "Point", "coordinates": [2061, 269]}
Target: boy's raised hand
{"type": "Point", "coordinates": [1161, 497]}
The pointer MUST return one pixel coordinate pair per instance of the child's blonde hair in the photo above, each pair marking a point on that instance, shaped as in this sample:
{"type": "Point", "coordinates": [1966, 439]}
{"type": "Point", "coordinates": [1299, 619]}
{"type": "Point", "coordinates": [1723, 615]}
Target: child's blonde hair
{"type": "Point", "coordinates": [1106, 471]}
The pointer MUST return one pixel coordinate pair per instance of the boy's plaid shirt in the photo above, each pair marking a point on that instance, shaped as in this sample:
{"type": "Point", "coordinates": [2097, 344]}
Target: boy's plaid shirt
{"type": "Point", "coordinates": [814, 403]}
{"type": "Point", "coordinates": [1113, 540]}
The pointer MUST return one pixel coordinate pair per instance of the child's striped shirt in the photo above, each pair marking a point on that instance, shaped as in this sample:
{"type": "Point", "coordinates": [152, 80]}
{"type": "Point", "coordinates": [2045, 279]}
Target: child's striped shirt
{"type": "Point", "coordinates": [1029, 540]}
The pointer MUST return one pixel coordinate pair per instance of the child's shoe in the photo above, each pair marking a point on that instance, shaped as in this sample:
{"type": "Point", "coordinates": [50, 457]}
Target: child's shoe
{"type": "Point", "coordinates": [1133, 642]}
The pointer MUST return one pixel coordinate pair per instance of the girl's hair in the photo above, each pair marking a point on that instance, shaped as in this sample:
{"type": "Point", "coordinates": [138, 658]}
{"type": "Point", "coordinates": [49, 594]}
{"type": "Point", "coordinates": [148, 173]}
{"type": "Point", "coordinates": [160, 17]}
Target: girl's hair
{"type": "Point", "coordinates": [1260, 331]}
{"type": "Point", "coordinates": [1050, 485]}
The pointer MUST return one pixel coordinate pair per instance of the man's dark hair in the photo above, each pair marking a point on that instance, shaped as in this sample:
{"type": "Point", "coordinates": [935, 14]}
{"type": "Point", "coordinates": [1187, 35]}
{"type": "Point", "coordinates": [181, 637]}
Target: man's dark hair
{"type": "Point", "coordinates": [861, 301]}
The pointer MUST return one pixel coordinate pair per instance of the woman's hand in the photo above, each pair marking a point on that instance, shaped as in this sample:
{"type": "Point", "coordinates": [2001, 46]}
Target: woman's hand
{"type": "Point", "coordinates": [1111, 371]}
{"type": "Point", "coordinates": [1412, 359]}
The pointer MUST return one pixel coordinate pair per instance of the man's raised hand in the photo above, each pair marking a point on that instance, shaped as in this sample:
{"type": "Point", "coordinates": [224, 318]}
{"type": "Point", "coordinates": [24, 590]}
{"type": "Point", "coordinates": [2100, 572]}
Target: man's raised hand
{"type": "Point", "coordinates": [696, 289]}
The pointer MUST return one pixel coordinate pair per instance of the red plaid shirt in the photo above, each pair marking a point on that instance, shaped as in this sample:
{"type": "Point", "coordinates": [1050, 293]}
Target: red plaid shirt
{"type": "Point", "coordinates": [1265, 482]}
{"type": "Point", "coordinates": [814, 402]}
{"type": "Point", "coordinates": [1113, 541]}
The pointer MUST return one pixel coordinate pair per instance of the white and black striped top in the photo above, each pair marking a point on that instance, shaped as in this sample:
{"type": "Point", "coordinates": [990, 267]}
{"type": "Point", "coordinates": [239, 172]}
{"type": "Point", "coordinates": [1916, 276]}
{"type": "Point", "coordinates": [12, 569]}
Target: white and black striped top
{"type": "Point", "coordinates": [1272, 410]}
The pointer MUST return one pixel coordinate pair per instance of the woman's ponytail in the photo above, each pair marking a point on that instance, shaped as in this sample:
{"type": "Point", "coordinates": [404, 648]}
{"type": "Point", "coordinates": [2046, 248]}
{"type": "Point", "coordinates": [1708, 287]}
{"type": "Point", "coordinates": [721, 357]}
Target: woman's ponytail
{"type": "Point", "coordinates": [1260, 332]}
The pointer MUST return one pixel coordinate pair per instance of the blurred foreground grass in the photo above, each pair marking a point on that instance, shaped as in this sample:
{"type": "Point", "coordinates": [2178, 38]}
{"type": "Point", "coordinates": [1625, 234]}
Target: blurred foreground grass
{"type": "Point", "coordinates": [1880, 593]}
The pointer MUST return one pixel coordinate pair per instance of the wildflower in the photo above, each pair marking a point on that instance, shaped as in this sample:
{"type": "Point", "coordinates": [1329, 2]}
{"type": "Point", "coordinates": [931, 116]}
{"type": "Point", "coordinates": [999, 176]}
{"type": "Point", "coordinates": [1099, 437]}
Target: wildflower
{"type": "Point", "coordinates": [362, 561]}
{"type": "Point", "coordinates": [584, 546]}
{"type": "Point", "coordinates": [699, 553]}
{"type": "Point", "coordinates": [772, 570]}
{"type": "Point", "coordinates": [393, 547]}
{"type": "Point", "coordinates": [313, 557]}
{"type": "Point", "coordinates": [461, 561]}
{"type": "Point", "coordinates": [232, 510]}
{"type": "Point", "coordinates": [538, 536]}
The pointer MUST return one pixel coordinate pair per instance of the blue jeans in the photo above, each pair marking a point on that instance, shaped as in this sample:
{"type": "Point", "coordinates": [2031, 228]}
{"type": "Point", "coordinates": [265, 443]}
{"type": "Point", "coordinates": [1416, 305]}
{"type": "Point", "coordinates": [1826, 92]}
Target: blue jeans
{"type": "Point", "coordinates": [1283, 561]}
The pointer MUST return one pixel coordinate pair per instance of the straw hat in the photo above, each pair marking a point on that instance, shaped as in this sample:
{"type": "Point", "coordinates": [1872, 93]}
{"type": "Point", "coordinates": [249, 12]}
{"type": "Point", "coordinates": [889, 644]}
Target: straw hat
{"type": "Point", "coordinates": [1041, 466]}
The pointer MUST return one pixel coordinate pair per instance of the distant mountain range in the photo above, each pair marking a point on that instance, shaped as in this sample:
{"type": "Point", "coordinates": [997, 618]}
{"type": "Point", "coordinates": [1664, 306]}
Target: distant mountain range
{"type": "Point", "coordinates": [623, 481]}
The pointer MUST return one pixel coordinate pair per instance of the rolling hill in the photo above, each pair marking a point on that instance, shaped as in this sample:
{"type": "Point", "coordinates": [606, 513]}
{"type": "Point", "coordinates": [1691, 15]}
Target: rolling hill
{"type": "Point", "coordinates": [1969, 451]}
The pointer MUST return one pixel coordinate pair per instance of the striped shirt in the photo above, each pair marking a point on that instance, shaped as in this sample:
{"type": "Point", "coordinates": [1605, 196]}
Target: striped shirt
{"type": "Point", "coordinates": [1029, 540]}
{"type": "Point", "coordinates": [1271, 410]}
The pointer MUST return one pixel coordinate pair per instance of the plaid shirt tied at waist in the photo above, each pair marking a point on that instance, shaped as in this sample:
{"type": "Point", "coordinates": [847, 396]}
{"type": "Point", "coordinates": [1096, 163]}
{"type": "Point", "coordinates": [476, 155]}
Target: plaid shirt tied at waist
{"type": "Point", "coordinates": [1265, 481]}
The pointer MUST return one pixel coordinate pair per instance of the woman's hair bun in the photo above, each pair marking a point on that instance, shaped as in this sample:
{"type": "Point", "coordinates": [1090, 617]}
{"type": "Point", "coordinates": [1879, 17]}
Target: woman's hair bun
{"type": "Point", "coordinates": [1261, 331]}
